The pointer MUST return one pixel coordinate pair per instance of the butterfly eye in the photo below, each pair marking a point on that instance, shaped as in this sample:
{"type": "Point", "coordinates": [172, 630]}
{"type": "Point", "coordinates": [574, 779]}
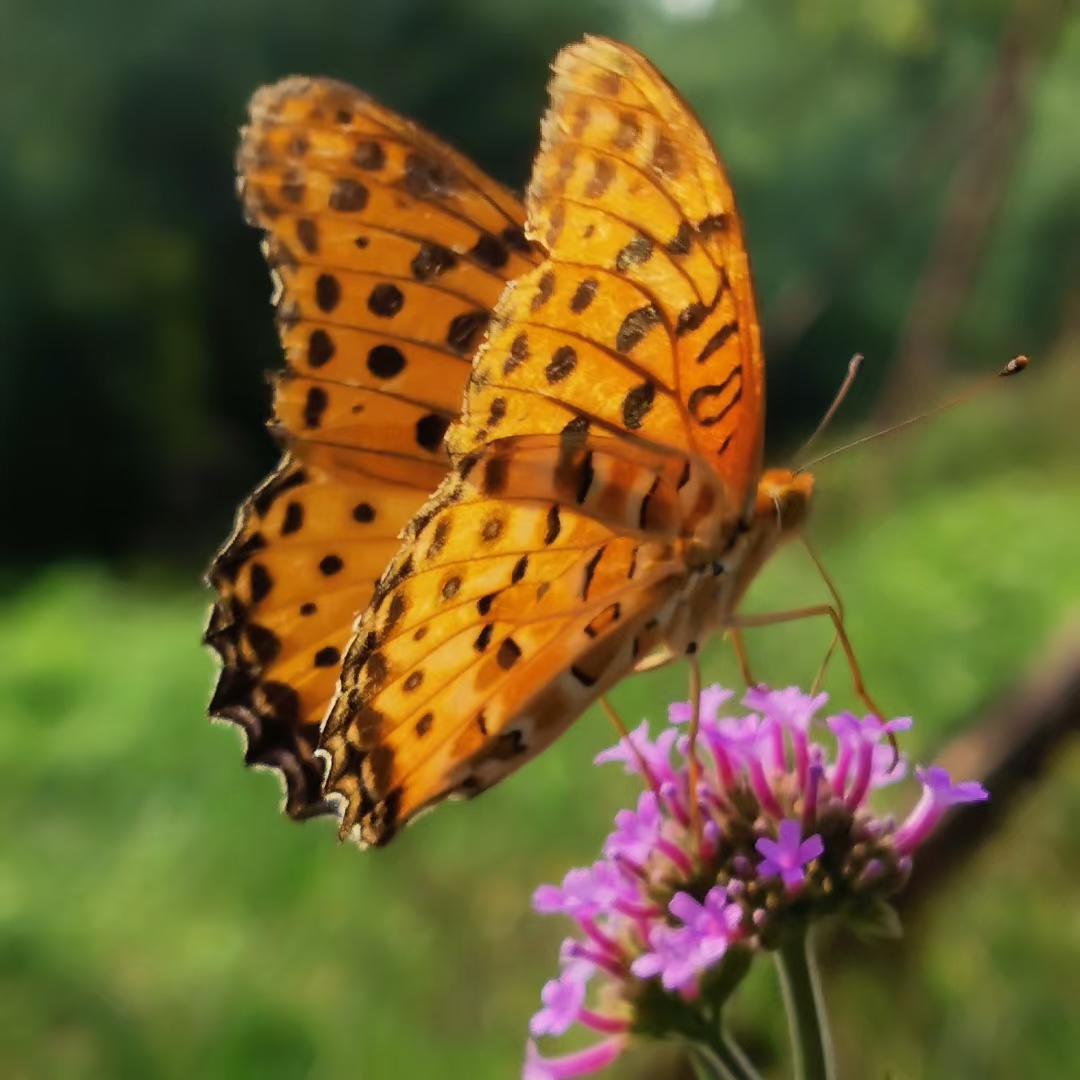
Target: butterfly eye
{"type": "Point", "coordinates": [717, 568]}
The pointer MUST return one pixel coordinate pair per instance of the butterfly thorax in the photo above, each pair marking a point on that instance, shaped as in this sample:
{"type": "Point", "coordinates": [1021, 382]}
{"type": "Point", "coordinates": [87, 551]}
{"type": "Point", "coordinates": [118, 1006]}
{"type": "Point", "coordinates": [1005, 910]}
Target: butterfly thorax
{"type": "Point", "coordinates": [722, 563]}
{"type": "Point", "coordinates": [781, 507]}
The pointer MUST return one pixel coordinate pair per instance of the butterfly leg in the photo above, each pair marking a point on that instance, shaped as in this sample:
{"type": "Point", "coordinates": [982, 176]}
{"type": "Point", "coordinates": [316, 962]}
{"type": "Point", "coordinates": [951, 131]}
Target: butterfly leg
{"type": "Point", "coordinates": [741, 658]}
{"type": "Point", "coordinates": [840, 635]}
{"type": "Point", "coordinates": [624, 735]}
{"type": "Point", "coordinates": [838, 603]}
{"type": "Point", "coordinates": [691, 750]}
{"type": "Point", "coordinates": [745, 622]}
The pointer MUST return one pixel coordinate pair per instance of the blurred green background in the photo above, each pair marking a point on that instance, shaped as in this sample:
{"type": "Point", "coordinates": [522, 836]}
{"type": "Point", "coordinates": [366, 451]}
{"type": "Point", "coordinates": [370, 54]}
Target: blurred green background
{"type": "Point", "coordinates": [909, 174]}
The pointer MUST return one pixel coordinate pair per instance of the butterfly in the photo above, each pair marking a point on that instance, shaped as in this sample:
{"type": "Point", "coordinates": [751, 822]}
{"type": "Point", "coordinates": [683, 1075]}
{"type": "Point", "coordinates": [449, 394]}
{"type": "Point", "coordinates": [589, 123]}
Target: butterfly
{"type": "Point", "coordinates": [599, 507]}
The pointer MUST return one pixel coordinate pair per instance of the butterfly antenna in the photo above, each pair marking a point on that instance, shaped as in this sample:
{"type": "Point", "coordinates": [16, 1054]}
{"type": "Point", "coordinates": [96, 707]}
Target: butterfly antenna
{"type": "Point", "coordinates": [1013, 367]}
{"type": "Point", "coordinates": [852, 370]}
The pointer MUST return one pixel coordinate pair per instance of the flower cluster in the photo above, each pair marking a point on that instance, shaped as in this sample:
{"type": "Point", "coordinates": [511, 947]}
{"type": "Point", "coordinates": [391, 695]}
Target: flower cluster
{"type": "Point", "coordinates": [781, 834]}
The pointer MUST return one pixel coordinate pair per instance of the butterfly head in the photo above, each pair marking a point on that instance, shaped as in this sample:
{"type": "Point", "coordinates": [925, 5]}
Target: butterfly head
{"type": "Point", "coordinates": [781, 507]}
{"type": "Point", "coordinates": [783, 498]}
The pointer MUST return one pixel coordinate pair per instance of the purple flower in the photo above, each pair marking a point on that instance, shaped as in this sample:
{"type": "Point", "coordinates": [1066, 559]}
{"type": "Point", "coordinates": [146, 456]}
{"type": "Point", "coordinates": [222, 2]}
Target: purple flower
{"type": "Point", "coordinates": [592, 1059]}
{"type": "Point", "coordinates": [587, 953]}
{"type": "Point", "coordinates": [790, 707]}
{"type": "Point", "coordinates": [794, 711]}
{"type": "Point", "coordinates": [770, 798]}
{"type": "Point", "coordinates": [636, 832]}
{"type": "Point", "coordinates": [655, 755]}
{"type": "Point", "coordinates": [670, 955]}
{"type": "Point", "coordinates": [939, 793]}
{"type": "Point", "coordinates": [714, 924]}
{"type": "Point", "coordinates": [887, 767]}
{"type": "Point", "coordinates": [563, 998]}
{"type": "Point", "coordinates": [846, 729]}
{"type": "Point", "coordinates": [730, 742]}
{"type": "Point", "coordinates": [862, 760]}
{"type": "Point", "coordinates": [679, 954]}
{"type": "Point", "coordinates": [712, 697]}
{"type": "Point", "coordinates": [815, 774]}
{"type": "Point", "coordinates": [766, 758]}
{"type": "Point", "coordinates": [586, 892]}
{"type": "Point", "coordinates": [786, 856]}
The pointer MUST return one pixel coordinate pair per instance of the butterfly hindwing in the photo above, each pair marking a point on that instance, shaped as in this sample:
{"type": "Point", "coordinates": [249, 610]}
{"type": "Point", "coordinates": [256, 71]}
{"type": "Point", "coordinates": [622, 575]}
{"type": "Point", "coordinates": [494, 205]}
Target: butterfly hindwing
{"type": "Point", "coordinates": [502, 618]}
{"type": "Point", "coordinates": [388, 251]}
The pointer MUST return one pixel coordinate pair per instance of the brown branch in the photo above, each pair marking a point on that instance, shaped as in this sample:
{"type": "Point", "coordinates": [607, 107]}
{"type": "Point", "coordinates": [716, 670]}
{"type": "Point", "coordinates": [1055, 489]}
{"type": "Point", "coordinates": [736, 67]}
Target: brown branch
{"type": "Point", "coordinates": [1007, 749]}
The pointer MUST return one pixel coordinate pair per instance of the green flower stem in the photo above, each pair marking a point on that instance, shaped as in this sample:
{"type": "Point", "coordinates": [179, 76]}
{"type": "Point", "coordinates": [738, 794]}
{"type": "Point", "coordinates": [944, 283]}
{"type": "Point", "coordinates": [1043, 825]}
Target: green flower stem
{"type": "Point", "coordinates": [707, 1066]}
{"type": "Point", "coordinates": [721, 1059]}
{"type": "Point", "coordinates": [735, 1061]}
{"type": "Point", "coordinates": [810, 1040]}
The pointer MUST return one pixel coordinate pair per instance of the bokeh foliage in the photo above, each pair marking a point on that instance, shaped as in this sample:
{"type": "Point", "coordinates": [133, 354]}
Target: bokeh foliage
{"type": "Point", "coordinates": [133, 299]}
{"type": "Point", "coordinates": [157, 918]}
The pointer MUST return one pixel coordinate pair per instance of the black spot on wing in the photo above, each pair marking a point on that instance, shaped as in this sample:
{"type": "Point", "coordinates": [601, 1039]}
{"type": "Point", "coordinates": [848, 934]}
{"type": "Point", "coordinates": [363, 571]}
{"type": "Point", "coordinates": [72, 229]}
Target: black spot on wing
{"type": "Point", "coordinates": [385, 361]}
{"type": "Point", "coordinates": [561, 365]}
{"type": "Point", "coordinates": [718, 340]}
{"type": "Point", "coordinates": [635, 326]}
{"type": "Point", "coordinates": [369, 155]}
{"type": "Point", "coordinates": [293, 519]}
{"type": "Point", "coordinates": [261, 582]}
{"type": "Point", "coordinates": [702, 403]}
{"type": "Point", "coordinates": [636, 405]}
{"type": "Point", "coordinates": [430, 430]}
{"type": "Point", "coordinates": [639, 250]}
{"type": "Point", "coordinates": [585, 477]}
{"type": "Point", "coordinates": [490, 252]}
{"type": "Point", "coordinates": [328, 656]}
{"type": "Point", "coordinates": [348, 195]}
{"type": "Point", "coordinates": [590, 570]}
{"type": "Point", "coordinates": [583, 295]}
{"type": "Point", "coordinates": [483, 639]}
{"type": "Point", "coordinates": [553, 525]}
{"type": "Point", "coordinates": [385, 300]}
{"type": "Point", "coordinates": [465, 331]}
{"type": "Point", "coordinates": [327, 292]}
{"type": "Point", "coordinates": [508, 655]}
{"type": "Point", "coordinates": [643, 512]}
{"type": "Point", "coordinates": [431, 261]}
{"type": "Point", "coordinates": [320, 348]}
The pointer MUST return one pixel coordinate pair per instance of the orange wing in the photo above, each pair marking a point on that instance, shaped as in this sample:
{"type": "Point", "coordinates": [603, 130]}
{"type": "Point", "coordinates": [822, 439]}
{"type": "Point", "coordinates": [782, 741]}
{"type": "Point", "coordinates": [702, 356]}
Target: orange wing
{"type": "Point", "coordinates": [388, 251]}
{"type": "Point", "coordinates": [528, 586]}
{"type": "Point", "coordinates": [616, 402]}
{"type": "Point", "coordinates": [646, 251]}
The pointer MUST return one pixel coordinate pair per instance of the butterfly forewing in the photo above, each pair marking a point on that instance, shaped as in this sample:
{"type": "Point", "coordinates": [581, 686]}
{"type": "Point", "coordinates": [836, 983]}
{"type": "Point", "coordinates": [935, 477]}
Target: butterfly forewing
{"type": "Point", "coordinates": [628, 183]}
{"type": "Point", "coordinates": [553, 558]}
{"type": "Point", "coordinates": [389, 251]}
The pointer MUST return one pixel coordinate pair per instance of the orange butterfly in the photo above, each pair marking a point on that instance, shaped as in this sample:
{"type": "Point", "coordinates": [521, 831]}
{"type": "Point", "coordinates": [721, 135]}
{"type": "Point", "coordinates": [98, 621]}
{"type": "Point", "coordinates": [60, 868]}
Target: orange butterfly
{"type": "Point", "coordinates": [605, 507]}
